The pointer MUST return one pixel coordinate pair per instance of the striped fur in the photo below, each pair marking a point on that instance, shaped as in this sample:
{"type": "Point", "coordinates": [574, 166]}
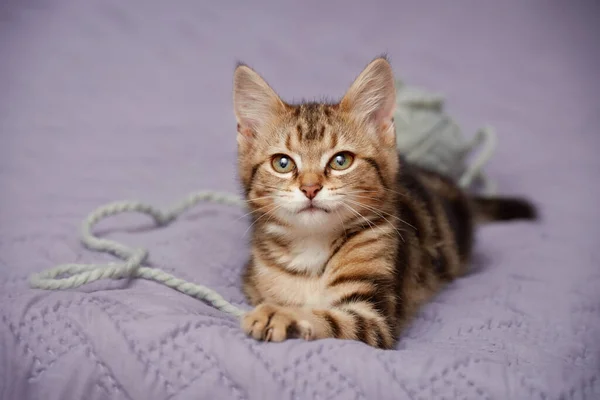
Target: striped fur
{"type": "Point", "coordinates": [384, 237]}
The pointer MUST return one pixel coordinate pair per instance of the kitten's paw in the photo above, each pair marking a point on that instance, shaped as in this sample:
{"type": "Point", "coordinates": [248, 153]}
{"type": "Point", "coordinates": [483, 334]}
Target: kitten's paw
{"type": "Point", "coordinates": [273, 323]}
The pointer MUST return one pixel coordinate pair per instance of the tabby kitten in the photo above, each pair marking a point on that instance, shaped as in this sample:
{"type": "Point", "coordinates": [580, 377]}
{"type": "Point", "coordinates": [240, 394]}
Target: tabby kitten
{"type": "Point", "coordinates": [348, 239]}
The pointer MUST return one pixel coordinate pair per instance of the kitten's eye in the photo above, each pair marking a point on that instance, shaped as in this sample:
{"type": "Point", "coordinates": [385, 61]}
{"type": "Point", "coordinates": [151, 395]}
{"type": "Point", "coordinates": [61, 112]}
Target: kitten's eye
{"type": "Point", "coordinates": [282, 163]}
{"type": "Point", "coordinates": [341, 161]}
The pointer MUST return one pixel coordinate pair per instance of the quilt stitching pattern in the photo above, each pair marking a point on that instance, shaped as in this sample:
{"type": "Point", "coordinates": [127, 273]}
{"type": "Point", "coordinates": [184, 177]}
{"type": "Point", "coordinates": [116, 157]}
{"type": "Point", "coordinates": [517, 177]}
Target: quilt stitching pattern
{"type": "Point", "coordinates": [44, 321]}
{"type": "Point", "coordinates": [105, 99]}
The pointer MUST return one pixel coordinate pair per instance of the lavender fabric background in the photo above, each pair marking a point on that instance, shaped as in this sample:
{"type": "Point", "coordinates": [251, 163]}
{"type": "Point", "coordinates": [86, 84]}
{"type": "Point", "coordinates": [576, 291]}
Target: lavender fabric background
{"type": "Point", "coordinates": [104, 99]}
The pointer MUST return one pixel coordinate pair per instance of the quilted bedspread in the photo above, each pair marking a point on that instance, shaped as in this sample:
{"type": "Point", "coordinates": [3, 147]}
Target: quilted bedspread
{"type": "Point", "coordinates": [103, 100]}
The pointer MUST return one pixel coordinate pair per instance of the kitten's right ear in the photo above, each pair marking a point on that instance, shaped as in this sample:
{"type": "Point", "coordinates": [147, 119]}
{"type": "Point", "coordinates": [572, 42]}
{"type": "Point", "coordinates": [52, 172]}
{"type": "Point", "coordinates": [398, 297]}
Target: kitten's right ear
{"type": "Point", "coordinates": [254, 102]}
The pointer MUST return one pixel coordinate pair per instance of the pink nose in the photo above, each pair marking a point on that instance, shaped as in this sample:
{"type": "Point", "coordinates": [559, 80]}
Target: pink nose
{"type": "Point", "coordinates": [311, 191]}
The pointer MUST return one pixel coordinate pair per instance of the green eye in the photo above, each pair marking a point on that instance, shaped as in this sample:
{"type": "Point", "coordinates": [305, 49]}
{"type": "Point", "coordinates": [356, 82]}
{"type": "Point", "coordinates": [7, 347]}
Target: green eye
{"type": "Point", "coordinates": [282, 164]}
{"type": "Point", "coordinates": [341, 161]}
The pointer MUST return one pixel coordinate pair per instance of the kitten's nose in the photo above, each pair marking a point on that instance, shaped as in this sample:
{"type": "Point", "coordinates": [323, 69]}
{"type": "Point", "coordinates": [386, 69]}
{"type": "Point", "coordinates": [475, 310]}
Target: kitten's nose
{"type": "Point", "coordinates": [311, 191]}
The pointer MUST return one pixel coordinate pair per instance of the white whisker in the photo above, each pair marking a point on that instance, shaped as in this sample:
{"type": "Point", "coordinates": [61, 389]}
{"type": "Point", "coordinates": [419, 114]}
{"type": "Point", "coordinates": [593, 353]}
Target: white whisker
{"type": "Point", "coordinates": [379, 214]}
{"type": "Point", "coordinates": [363, 217]}
{"type": "Point", "coordinates": [262, 216]}
{"type": "Point", "coordinates": [381, 211]}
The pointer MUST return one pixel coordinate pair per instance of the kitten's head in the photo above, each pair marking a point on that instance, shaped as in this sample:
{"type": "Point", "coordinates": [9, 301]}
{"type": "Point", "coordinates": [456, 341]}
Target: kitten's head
{"type": "Point", "coordinates": [317, 166]}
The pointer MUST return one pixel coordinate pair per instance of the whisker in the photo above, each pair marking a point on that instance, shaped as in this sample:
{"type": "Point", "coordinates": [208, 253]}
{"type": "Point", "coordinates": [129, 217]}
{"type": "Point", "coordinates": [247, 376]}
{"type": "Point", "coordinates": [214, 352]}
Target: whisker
{"type": "Point", "coordinates": [260, 208]}
{"type": "Point", "coordinates": [268, 219]}
{"type": "Point", "coordinates": [362, 197]}
{"type": "Point", "coordinates": [253, 211]}
{"type": "Point", "coordinates": [357, 213]}
{"type": "Point", "coordinates": [371, 226]}
{"type": "Point", "coordinates": [271, 187]}
{"type": "Point", "coordinates": [262, 216]}
{"type": "Point", "coordinates": [373, 191]}
{"type": "Point", "coordinates": [381, 215]}
{"type": "Point", "coordinates": [363, 191]}
{"type": "Point", "coordinates": [394, 216]}
{"type": "Point", "coordinates": [354, 191]}
{"type": "Point", "coordinates": [378, 211]}
{"type": "Point", "coordinates": [263, 197]}
{"type": "Point", "coordinates": [381, 211]}
{"type": "Point", "coordinates": [398, 193]}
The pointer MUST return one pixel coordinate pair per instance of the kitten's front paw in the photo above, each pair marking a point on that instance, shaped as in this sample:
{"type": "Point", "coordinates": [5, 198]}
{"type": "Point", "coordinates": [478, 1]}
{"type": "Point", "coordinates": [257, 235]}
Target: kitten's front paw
{"type": "Point", "coordinates": [273, 323]}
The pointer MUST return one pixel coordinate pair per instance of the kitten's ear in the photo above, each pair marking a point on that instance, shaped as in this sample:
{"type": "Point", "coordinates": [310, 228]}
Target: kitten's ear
{"type": "Point", "coordinates": [254, 102]}
{"type": "Point", "coordinates": [372, 98]}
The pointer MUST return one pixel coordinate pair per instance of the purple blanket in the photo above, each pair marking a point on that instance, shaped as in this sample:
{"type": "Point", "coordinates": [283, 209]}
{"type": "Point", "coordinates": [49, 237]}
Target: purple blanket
{"type": "Point", "coordinates": [103, 100]}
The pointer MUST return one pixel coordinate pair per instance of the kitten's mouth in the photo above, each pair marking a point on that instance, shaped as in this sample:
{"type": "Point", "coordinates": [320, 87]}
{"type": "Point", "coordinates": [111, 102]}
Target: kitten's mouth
{"type": "Point", "coordinates": [311, 208]}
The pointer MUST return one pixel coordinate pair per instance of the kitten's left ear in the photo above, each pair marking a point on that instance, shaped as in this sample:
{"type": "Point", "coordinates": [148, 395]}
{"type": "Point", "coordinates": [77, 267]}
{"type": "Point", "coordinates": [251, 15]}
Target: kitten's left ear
{"type": "Point", "coordinates": [254, 102]}
{"type": "Point", "coordinates": [372, 98]}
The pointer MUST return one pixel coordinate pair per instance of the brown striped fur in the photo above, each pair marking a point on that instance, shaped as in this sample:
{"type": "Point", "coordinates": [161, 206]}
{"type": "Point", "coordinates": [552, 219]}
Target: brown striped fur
{"type": "Point", "coordinates": [385, 236]}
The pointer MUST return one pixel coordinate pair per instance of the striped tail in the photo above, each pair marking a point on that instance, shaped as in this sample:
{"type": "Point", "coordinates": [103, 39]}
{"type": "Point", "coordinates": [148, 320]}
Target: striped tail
{"type": "Point", "coordinates": [489, 209]}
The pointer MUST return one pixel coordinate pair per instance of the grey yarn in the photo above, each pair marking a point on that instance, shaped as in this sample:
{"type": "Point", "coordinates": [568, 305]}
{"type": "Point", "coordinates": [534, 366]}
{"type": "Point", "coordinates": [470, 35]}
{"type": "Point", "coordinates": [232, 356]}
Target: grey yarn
{"type": "Point", "coordinates": [429, 137]}
{"type": "Point", "coordinates": [426, 136]}
{"type": "Point", "coordinates": [69, 276]}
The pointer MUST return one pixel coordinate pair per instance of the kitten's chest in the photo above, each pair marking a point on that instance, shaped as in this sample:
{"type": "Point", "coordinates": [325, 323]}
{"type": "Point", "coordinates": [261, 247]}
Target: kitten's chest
{"type": "Point", "coordinates": [305, 291]}
{"type": "Point", "coordinates": [304, 284]}
{"type": "Point", "coordinates": [307, 255]}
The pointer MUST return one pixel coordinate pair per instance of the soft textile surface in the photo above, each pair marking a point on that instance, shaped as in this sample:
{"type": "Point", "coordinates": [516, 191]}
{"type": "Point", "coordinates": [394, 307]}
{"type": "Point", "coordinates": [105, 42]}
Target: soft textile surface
{"type": "Point", "coordinates": [105, 99]}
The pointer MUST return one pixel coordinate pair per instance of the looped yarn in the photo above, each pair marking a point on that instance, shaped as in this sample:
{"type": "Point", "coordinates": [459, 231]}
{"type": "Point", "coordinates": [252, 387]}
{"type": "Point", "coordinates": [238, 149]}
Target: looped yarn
{"type": "Point", "coordinates": [426, 136]}
{"type": "Point", "coordinates": [69, 276]}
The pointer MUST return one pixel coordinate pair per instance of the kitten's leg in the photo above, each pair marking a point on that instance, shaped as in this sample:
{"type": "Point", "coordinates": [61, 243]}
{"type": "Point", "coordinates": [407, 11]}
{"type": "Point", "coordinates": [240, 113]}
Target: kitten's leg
{"type": "Point", "coordinates": [274, 323]}
{"type": "Point", "coordinates": [353, 321]}
{"type": "Point", "coordinates": [360, 297]}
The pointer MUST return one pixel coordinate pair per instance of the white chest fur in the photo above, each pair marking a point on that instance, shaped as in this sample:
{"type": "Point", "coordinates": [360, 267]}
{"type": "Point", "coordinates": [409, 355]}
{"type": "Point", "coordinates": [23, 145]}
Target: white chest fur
{"type": "Point", "coordinates": [309, 254]}
{"type": "Point", "coordinates": [306, 254]}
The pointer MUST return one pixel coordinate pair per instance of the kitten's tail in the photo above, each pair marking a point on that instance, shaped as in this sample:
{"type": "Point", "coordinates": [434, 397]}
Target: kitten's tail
{"type": "Point", "coordinates": [489, 209]}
